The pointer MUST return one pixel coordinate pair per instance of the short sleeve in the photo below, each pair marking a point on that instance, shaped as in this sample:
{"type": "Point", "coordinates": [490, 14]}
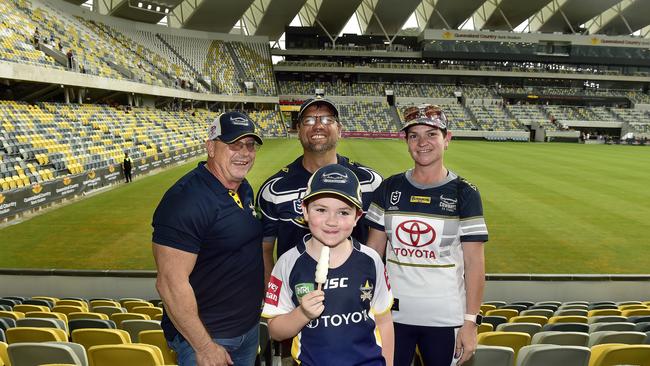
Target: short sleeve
{"type": "Point", "coordinates": [177, 223]}
{"type": "Point", "coordinates": [277, 300]}
{"type": "Point", "coordinates": [472, 222]}
{"type": "Point", "coordinates": [375, 215]}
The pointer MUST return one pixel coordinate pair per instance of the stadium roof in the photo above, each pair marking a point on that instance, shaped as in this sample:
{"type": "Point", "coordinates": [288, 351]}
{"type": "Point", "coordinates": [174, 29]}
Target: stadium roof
{"type": "Point", "coordinates": [387, 17]}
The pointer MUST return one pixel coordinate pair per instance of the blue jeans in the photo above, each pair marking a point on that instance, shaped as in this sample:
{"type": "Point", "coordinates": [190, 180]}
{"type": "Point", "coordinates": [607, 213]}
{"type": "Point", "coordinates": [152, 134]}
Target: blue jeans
{"type": "Point", "coordinates": [242, 349]}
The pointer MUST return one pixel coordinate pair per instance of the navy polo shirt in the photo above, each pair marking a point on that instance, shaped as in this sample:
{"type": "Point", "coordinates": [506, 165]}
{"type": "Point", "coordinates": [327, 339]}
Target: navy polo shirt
{"type": "Point", "coordinates": [197, 215]}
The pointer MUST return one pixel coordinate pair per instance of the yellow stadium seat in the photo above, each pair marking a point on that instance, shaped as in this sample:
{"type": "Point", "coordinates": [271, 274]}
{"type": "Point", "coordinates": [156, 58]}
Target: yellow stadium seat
{"type": "Point", "coordinates": [67, 309]}
{"type": "Point", "coordinates": [94, 303]}
{"type": "Point", "coordinates": [632, 307]}
{"type": "Point", "coordinates": [4, 357]}
{"type": "Point", "coordinates": [90, 337]}
{"type": "Point", "coordinates": [486, 307]}
{"type": "Point", "coordinates": [23, 308]}
{"type": "Point", "coordinates": [15, 315]}
{"type": "Point", "coordinates": [602, 312]}
{"type": "Point", "coordinates": [147, 310]}
{"type": "Point", "coordinates": [129, 305]}
{"type": "Point", "coordinates": [568, 319]}
{"type": "Point", "coordinates": [619, 354]}
{"type": "Point", "coordinates": [125, 354]}
{"type": "Point", "coordinates": [71, 302]}
{"type": "Point", "coordinates": [507, 313]}
{"type": "Point", "coordinates": [635, 312]}
{"type": "Point", "coordinates": [88, 315]}
{"type": "Point", "coordinates": [485, 327]}
{"type": "Point", "coordinates": [157, 338]}
{"type": "Point", "coordinates": [34, 334]}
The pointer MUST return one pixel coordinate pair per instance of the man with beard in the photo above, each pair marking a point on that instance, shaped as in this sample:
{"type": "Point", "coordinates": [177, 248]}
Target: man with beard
{"type": "Point", "coordinates": [280, 197]}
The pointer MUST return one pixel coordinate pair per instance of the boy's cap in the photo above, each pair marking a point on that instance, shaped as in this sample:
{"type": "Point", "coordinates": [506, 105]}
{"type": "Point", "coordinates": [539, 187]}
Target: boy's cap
{"type": "Point", "coordinates": [312, 101]}
{"type": "Point", "coordinates": [335, 179]}
{"type": "Point", "coordinates": [425, 114]}
{"type": "Point", "coordinates": [230, 127]}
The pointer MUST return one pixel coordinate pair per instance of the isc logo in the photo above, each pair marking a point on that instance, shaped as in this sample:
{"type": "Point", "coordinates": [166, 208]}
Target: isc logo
{"type": "Point", "coordinates": [333, 283]}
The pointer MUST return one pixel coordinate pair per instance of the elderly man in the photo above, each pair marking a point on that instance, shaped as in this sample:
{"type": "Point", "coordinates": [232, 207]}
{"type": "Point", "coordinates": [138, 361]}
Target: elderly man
{"type": "Point", "coordinates": [433, 222]}
{"type": "Point", "coordinates": [280, 197]}
{"type": "Point", "coordinates": [207, 246]}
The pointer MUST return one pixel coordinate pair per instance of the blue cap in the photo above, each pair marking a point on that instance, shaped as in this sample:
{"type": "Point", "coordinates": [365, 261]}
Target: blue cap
{"type": "Point", "coordinates": [335, 179]}
{"type": "Point", "coordinates": [316, 100]}
{"type": "Point", "coordinates": [231, 126]}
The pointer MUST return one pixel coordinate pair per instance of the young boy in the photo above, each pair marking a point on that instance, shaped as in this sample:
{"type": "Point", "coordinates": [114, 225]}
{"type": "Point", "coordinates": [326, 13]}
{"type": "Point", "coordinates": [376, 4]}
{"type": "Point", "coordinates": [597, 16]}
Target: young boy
{"type": "Point", "coordinates": [348, 322]}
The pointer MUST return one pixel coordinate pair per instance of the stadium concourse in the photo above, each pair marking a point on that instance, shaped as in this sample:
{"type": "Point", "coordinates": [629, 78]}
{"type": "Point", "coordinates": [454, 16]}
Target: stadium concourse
{"type": "Point", "coordinates": [84, 82]}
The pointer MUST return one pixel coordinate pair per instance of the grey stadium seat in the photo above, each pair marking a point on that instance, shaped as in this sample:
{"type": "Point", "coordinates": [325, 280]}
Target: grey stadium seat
{"type": "Point", "coordinates": [552, 354]}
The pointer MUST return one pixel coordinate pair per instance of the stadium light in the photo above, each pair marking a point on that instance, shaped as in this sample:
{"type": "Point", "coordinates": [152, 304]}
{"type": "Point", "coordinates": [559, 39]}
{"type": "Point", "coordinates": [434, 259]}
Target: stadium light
{"type": "Point", "coordinates": [166, 10]}
{"type": "Point", "coordinates": [139, 5]}
{"type": "Point", "coordinates": [157, 8]}
{"type": "Point", "coordinates": [149, 7]}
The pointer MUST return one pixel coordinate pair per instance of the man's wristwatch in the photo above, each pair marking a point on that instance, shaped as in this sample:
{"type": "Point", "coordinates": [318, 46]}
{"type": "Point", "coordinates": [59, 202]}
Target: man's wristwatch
{"type": "Point", "coordinates": [474, 318]}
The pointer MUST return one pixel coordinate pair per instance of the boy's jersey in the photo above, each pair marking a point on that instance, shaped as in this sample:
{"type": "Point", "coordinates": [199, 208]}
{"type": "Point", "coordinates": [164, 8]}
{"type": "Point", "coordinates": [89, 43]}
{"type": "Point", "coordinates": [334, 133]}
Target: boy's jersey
{"type": "Point", "coordinates": [425, 226]}
{"type": "Point", "coordinates": [280, 197]}
{"type": "Point", "coordinates": [357, 290]}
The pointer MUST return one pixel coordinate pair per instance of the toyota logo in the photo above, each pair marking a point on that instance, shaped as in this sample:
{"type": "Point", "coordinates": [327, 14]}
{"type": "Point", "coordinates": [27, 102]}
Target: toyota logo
{"type": "Point", "coordinates": [415, 233]}
{"type": "Point", "coordinates": [312, 323]}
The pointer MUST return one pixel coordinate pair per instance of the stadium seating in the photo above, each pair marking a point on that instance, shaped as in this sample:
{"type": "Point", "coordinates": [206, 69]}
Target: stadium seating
{"type": "Point", "coordinates": [33, 334]}
{"type": "Point", "coordinates": [619, 354]}
{"type": "Point", "coordinates": [135, 326]}
{"type": "Point", "coordinates": [89, 337]}
{"type": "Point", "coordinates": [35, 354]}
{"type": "Point", "coordinates": [126, 354]}
{"type": "Point", "coordinates": [157, 338]}
{"type": "Point", "coordinates": [561, 338]}
{"type": "Point", "coordinates": [492, 356]}
{"type": "Point", "coordinates": [548, 354]}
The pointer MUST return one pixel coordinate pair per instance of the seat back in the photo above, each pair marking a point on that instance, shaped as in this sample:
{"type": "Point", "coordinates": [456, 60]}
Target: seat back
{"type": "Point", "coordinates": [125, 354]}
{"type": "Point", "coordinates": [75, 324]}
{"type": "Point", "coordinates": [552, 354]}
{"type": "Point", "coordinates": [606, 319]}
{"type": "Point", "coordinates": [494, 320]}
{"type": "Point", "coordinates": [603, 337]}
{"type": "Point", "coordinates": [507, 313]}
{"type": "Point", "coordinates": [78, 349]}
{"type": "Point", "coordinates": [47, 315]}
{"type": "Point", "coordinates": [547, 313]}
{"type": "Point", "coordinates": [32, 334]}
{"type": "Point", "coordinates": [568, 319]}
{"type": "Point", "coordinates": [620, 354]}
{"type": "Point", "coordinates": [25, 308]}
{"type": "Point", "coordinates": [35, 354]}
{"type": "Point", "coordinates": [642, 327]}
{"type": "Point", "coordinates": [492, 356]}
{"type": "Point", "coordinates": [561, 338]}
{"type": "Point", "coordinates": [108, 310]}
{"type": "Point", "coordinates": [619, 326]}
{"type": "Point", "coordinates": [530, 328]}
{"type": "Point", "coordinates": [120, 317]}
{"type": "Point", "coordinates": [567, 327]}
{"type": "Point", "coordinates": [6, 323]}
{"type": "Point", "coordinates": [514, 340]}
{"type": "Point", "coordinates": [147, 310]}
{"type": "Point", "coordinates": [135, 326]}
{"type": "Point", "coordinates": [42, 323]}
{"type": "Point", "coordinates": [4, 356]}
{"type": "Point", "coordinates": [539, 319]}
{"type": "Point", "coordinates": [157, 338]}
{"type": "Point", "coordinates": [83, 315]}
{"type": "Point", "coordinates": [67, 309]}
{"type": "Point", "coordinates": [129, 305]}
{"type": "Point", "coordinates": [95, 337]}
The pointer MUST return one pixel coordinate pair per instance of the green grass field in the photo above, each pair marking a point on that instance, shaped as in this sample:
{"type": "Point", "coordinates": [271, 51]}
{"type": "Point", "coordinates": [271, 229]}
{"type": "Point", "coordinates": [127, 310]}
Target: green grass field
{"type": "Point", "coordinates": [550, 208]}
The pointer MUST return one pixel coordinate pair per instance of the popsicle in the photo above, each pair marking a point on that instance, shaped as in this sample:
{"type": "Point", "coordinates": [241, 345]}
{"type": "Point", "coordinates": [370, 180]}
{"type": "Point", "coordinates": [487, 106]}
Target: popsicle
{"type": "Point", "coordinates": [322, 266]}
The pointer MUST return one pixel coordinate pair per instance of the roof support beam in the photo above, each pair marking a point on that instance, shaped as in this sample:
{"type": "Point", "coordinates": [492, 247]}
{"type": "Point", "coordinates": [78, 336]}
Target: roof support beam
{"type": "Point", "coordinates": [423, 13]}
{"type": "Point", "coordinates": [182, 12]}
{"type": "Point", "coordinates": [364, 13]}
{"type": "Point", "coordinates": [107, 7]}
{"type": "Point", "coordinates": [253, 16]}
{"type": "Point", "coordinates": [544, 14]}
{"type": "Point", "coordinates": [484, 12]}
{"type": "Point", "coordinates": [307, 14]}
{"type": "Point", "coordinates": [597, 23]}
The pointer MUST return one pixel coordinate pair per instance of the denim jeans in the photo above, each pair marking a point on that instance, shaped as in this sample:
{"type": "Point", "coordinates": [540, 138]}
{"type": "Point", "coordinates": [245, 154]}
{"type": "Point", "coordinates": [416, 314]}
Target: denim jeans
{"type": "Point", "coordinates": [242, 349]}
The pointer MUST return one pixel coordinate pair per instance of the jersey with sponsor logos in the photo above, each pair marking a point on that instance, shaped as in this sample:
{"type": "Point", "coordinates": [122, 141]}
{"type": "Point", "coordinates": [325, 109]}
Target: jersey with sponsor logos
{"type": "Point", "coordinates": [356, 291]}
{"type": "Point", "coordinates": [280, 197]}
{"type": "Point", "coordinates": [426, 226]}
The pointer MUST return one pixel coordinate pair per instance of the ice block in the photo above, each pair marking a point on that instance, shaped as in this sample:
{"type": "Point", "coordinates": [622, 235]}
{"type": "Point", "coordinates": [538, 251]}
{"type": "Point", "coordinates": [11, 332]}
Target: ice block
{"type": "Point", "coordinates": [322, 266]}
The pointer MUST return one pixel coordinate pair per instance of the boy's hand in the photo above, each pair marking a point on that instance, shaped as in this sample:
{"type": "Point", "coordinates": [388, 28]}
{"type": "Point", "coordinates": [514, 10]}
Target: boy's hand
{"type": "Point", "coordinates": [312, 304]}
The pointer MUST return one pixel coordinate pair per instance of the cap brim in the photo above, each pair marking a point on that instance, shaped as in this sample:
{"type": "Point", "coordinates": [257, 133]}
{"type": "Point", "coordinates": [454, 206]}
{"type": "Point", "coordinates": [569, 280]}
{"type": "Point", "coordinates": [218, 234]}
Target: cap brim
{"type": "Point", "coordinates": [231, 139]}
{"type": "Point", "coordinates": [318, 101]}
{"type": "Point", "coordinates": [424, 122]}
{"type": "Point", "coordinates": [341, 194]}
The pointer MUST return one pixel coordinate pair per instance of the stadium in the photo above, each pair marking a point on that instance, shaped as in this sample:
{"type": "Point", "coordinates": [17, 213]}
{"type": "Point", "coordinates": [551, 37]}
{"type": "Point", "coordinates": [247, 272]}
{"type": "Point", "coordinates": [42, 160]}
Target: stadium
{"type": "Point", "coordinates": [548, 102]}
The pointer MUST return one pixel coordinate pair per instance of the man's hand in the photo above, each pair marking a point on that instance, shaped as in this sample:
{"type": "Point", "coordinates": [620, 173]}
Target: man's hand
{"type": "Point", "coordinates": [212, 354]}
{"type": "Point", "coordinates": [465, 342]}
{"type": "Point", "coordinates": [312, 304]}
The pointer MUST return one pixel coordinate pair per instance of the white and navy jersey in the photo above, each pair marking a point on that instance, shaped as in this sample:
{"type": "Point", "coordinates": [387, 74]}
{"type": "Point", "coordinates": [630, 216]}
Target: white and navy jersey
{"type": "Point", "coordinates": [426, 226]}
{"type": "Point", "coordinates": [356, 291]}
{"type": "Point", "coordinates": [280, 197]}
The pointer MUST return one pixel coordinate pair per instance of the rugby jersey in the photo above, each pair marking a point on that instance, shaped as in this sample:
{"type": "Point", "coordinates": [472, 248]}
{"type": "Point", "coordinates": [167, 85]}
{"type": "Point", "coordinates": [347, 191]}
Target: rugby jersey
{"type": "Point", "coordinates": [426, 226]}
{"type": "Point", "coordinates": [280, 197]}
{"type": "Point", "coordinates": [357, 290]}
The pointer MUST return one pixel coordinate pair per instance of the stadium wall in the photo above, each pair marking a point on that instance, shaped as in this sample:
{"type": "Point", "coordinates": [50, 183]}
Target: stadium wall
{"type": "Point", "coordinates": [504, 287]}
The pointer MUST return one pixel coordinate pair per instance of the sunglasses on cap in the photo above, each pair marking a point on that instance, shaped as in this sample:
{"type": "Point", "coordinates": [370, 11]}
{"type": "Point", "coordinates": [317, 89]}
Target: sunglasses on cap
{"type": "Point", "coordinates": [430, 112]}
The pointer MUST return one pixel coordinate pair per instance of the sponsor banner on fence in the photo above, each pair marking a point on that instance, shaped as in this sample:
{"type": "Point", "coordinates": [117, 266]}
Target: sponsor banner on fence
{"type": "Point", "coordinates": [370, 135]}
{"type": "Point", "coordinates": [39, 194]}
